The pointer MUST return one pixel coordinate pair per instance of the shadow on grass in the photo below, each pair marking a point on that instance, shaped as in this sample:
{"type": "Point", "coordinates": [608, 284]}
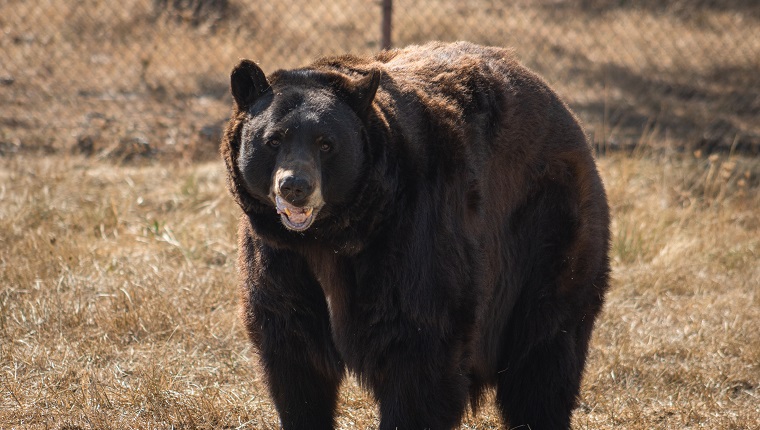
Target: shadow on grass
{"type": "Point", "coordinates": [715, 110]}
{"type": "Point", "coordinates": [684, 10]}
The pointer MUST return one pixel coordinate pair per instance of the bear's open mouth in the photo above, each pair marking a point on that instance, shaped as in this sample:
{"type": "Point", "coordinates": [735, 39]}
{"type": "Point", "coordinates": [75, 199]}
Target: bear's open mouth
{"type": "Point", "coordinates": [294, 217]}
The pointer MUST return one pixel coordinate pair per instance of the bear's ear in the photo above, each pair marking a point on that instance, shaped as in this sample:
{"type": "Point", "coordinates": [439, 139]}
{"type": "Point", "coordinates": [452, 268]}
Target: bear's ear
{"type": "Point", "coordinates": [360, 92]}
{"type": "Point", "coordinates": [247, 83]}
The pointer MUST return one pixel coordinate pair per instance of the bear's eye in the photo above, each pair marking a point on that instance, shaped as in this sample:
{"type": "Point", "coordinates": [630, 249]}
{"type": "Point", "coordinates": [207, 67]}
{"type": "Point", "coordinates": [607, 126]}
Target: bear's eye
{"type": "Point", "coordinates": [274, 142]}
{"type": "Point", "coordinates": [324, 145]}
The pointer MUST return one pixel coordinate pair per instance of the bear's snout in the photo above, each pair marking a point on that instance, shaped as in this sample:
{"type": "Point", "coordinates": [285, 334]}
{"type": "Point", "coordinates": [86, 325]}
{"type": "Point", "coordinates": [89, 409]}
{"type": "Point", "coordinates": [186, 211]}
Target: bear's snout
{"type": "Point", "coordinates": [297, 197]}
{"type": "Point", "coordinates": [295, 189]}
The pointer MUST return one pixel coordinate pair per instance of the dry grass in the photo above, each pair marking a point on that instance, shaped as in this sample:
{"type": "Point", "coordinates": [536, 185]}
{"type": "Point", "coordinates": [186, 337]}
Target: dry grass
{"type": "Point", "coordinates": [118, 300]}
{"type": "Point", "coordinates": [118, 80]}
{"type": "Point", "coordinates": [117, 279]}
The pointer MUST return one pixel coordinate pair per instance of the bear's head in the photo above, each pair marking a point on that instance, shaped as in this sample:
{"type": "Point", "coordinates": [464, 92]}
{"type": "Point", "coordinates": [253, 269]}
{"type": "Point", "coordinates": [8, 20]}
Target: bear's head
{"type": "Point", "coordinates": [296, 145]}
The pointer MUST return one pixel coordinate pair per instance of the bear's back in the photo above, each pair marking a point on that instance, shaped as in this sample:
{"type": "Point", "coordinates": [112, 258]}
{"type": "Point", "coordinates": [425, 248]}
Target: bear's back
{"type": "Point", "coordinates": [478, 92]}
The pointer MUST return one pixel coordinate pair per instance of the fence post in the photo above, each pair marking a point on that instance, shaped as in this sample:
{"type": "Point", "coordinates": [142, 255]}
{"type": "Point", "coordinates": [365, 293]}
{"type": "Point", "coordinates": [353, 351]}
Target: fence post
{"type": "Point", "coordinates": [387, 6]}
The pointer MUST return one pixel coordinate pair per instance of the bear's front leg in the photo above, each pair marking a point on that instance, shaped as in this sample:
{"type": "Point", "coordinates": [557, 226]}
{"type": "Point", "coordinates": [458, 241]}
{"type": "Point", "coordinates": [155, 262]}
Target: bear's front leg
{"type": "Point", "coordinates": [287, 320]}
{"type": "Point", "coordinates": [421, 383]}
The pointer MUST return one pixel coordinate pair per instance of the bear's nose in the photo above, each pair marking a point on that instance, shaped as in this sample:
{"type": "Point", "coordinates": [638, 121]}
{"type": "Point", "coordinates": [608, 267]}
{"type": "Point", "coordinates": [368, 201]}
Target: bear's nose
{"type": "Point", "coordinates": [295, 189]}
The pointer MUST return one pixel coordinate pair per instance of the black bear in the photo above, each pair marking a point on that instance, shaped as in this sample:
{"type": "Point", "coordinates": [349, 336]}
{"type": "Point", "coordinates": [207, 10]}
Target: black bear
{"type": "Point", "coordinates": [430, 219]}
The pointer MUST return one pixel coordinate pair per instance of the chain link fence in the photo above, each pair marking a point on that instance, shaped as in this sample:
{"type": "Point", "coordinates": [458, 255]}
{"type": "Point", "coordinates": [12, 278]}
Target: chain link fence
{"type": "Point", "coordinates": [148, 78]}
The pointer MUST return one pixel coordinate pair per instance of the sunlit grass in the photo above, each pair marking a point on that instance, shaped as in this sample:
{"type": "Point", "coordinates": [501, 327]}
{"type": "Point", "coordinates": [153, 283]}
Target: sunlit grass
{"type": "Point", "coordinates": [118, 300]}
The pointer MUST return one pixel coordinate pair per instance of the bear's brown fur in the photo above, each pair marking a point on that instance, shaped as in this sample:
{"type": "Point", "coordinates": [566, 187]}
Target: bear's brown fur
{"type": "Point", "coordinates": [430, 219]}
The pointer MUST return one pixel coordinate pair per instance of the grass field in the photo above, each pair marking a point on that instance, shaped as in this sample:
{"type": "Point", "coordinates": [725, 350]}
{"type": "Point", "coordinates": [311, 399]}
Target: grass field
{"type": "Point", "coordinates": [127, 79]}
{"type": "Point", "coordinates": [118, 302]}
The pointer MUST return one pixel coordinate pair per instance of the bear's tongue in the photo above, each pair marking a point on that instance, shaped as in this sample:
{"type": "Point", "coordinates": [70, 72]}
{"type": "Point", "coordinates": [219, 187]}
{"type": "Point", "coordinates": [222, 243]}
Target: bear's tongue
{"type": "Point", "coordinates": [296, 215]}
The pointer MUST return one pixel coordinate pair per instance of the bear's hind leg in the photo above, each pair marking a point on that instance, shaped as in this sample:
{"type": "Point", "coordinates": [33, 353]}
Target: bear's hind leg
{"type": "Point", "coordinates": [540, 388]}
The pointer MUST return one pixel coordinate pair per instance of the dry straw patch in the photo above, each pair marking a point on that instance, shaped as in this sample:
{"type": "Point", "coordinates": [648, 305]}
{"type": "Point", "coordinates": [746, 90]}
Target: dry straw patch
{"type": "Point", "coordinates": [104, 77]}
{"type": "Point", "coordinates": [118, 300]}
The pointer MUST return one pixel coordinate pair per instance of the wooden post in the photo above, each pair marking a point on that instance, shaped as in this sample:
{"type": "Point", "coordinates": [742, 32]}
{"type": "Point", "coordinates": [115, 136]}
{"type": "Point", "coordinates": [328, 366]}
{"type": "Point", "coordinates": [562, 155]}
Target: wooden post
{"type": "Point", "coordinates": [387, 6]}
